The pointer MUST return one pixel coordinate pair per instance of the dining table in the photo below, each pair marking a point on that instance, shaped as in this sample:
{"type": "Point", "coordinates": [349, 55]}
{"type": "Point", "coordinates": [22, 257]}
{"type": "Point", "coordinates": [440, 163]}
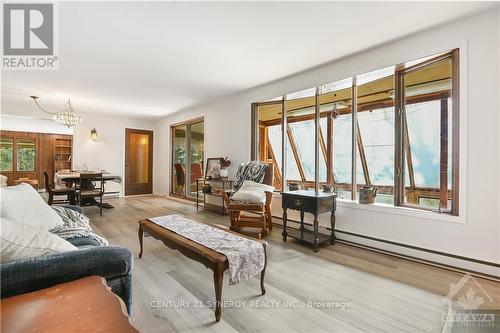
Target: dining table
{"type": "Point", "coordinates": [68, 179]}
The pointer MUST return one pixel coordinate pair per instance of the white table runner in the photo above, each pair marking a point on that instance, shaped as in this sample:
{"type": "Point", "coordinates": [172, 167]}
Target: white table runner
{"type": "Point", "coordinates": [246, 257]}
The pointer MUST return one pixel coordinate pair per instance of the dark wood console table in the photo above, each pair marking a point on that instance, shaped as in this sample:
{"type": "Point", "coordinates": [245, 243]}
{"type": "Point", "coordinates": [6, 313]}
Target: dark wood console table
{"type": "Point", "coordinates": [314, 203]}
{"type": "Point", "coordinates": [225, 184]}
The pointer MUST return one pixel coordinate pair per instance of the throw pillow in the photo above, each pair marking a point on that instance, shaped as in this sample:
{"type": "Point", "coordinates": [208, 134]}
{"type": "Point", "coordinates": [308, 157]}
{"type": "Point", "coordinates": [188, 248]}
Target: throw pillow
{"type": "Point", "coordinates": [252, 192]}
{"type": "Point", "coordinates": [19, 241]}
{"type": "Point", "coordinates": [23, 204]}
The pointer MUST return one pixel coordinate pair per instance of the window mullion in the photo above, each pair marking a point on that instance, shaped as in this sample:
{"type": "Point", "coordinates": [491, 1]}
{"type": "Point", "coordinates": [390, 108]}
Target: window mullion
{"type": "Point", "coordinates": [284, 143]}
{"type": "Point", "coordinates": [398, 138]}
{"type": "Point", "coordinates": [354, 130]}
{"type": "Point", "coordinates": [455, 127]}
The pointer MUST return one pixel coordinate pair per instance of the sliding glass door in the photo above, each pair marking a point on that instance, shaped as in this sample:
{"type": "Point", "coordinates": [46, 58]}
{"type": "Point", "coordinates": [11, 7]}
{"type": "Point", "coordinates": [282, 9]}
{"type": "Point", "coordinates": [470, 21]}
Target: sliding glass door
{"type": "Point", "coordinates": [187, 157]}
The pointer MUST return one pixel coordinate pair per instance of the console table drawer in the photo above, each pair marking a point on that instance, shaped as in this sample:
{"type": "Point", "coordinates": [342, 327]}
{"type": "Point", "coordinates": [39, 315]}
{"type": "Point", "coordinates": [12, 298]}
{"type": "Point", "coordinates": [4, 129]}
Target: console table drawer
{"type": "Point", "coordinates": [302, 204]}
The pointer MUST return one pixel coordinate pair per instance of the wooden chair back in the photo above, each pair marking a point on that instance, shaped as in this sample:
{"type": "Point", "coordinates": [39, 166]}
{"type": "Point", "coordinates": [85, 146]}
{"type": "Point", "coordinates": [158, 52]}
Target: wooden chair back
{"type": "Point", "coordinates": [90, 178]}
{"type": "Point", "coordinates": [269, 175]}
{"type": "Point", "coordinates": [47, 182]}
{"type": "Point", "coordinates": [196, 172]}
{"type": "Point", "coordinates": [179, 173]}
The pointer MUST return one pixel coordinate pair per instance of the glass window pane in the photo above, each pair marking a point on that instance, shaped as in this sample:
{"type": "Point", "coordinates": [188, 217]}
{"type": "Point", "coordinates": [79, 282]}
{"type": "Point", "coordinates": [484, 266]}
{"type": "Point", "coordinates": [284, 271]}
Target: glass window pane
{"type": "Point", "coordinates": [303, 133]}
{"type": "Point", "coordinates": [179, 160]}
{"type": "Point", "coordinates": [377, 130]}
{"type": "Point", "coordinates": [292, 170]}
{"type": "Point", "coordinates": [26, 149]}
{"type": "Point", "coordinates": [428, 117]}
{"type": "Point", "coordinates": [269, 138]}
{"type": "Point", "coordinates": [342, 149]}
{"type": "Point", "coordinates": [274, 133]}
{"type": "Point", "coordinates": [336, 99]}
{"type": "Point", "coordinates": [300, 120]}
{"type": "Point", "coordinates": [423, 130]}
{"type": "Point", "coordinates": [196, 148]}
{"type": "Point", "coordinates": [6, 152]}
{"type": "Point", "coordinates": [375, 148]}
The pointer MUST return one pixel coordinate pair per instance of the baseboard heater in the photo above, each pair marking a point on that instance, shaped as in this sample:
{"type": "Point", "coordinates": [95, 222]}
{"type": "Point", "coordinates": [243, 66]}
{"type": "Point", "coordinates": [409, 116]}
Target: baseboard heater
{"type": "Point", "coordinates": [349, 238]}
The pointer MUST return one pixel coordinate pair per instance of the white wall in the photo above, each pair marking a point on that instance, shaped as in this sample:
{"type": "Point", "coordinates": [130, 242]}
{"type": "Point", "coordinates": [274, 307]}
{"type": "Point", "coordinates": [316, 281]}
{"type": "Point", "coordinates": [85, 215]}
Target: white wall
{"type": "Point", "coordinates": [109, 152]}
{"type": "Point", "coordinates": [26, 124]}
{"type": "Point", "coordinates": [476, 234]}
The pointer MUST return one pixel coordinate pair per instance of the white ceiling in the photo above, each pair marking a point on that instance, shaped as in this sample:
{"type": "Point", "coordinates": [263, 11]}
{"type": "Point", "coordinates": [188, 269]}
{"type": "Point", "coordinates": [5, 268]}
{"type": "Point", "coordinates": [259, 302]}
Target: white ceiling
{"type": "Point", "coordinates": [150, 59]}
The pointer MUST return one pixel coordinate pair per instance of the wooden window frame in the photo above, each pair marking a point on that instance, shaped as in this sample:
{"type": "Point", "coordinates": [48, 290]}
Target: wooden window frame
{"type": "Point", "coordinates": [15, 138]}
{"type": "Point", "coordinates": [402, 151]}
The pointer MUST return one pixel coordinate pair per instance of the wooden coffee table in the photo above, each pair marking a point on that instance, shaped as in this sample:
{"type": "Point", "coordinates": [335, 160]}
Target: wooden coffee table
{"type": "Point", "coordinates": [213, 260]}
{"type": "Point", "coordinates": [84, 305]}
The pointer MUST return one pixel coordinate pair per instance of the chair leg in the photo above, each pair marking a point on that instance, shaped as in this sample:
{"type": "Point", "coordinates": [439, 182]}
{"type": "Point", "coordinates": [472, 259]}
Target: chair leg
{"type": "Point", "coordinates": [269, 220]}
{"type": "Point", "coordinates": [264, 224]}
{"type": "Point", "coordinates": [100, 205]}
{"type": "Point", "coordinates": [51, 199]}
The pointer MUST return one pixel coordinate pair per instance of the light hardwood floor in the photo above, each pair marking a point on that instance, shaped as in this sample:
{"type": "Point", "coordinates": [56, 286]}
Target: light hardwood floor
{"type": "Point", "coordinates": [382, 293]}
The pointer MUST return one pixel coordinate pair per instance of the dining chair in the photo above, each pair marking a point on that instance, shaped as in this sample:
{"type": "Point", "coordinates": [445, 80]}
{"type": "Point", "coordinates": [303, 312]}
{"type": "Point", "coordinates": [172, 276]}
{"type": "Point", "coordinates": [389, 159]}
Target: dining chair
{"type": "Point", "coordinates": [91, 186]}
{"type": "Point", "coordinates": [70, 193]}
{"type": "Point", "coordinates": [180, 176]}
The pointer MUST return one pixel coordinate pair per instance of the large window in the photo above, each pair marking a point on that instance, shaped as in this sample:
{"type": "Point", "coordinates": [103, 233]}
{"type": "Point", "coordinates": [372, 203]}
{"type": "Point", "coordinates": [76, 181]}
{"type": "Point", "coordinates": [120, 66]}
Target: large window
{"type": "Point", "coordinates": [394, 129]}
{"type": "Point", "coordinates": [17, 155]}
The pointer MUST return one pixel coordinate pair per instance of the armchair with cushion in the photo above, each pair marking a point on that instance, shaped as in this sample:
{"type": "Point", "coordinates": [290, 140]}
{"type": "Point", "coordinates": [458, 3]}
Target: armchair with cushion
{"type": "Point", "coordinates": [251, 217]}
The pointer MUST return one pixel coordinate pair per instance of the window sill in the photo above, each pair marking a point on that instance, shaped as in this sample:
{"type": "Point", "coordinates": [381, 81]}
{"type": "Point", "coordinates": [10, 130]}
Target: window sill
{"type": "Point", "coordinates": [405, 211]}
{"type": "Point", "coordinates": [395, 210]}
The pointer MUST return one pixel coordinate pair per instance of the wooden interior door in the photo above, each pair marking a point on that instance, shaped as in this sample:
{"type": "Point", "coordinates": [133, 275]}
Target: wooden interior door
{"type": "Point", "coordinates": [138, 161]}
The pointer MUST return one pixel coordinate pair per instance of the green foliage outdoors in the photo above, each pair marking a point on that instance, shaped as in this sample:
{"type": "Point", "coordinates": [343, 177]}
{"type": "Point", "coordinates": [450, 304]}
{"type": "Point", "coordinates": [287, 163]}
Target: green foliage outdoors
{"type": "Point", "coordinates": [5, 158]}
{"type": "Point", "coordinates": [26, 158]}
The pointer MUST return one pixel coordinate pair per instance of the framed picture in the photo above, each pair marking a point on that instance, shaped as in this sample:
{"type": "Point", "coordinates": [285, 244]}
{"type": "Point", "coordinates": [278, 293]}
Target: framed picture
{"type": "Point", "coordinates": [212, 170]}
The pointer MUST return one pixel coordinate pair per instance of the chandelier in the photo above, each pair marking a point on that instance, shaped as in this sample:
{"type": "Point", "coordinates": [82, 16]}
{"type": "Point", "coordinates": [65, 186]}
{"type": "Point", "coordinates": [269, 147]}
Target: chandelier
{"type": "Point", "coordinates": [67, 118]}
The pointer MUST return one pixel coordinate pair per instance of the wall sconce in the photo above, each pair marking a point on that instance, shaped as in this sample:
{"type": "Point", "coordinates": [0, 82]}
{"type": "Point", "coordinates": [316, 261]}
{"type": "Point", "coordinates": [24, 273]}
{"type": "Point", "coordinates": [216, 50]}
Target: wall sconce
{"type": "Point", "coordinates": [93, 135]}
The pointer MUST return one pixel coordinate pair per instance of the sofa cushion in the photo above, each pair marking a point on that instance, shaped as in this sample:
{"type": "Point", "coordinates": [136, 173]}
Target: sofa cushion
{"type": "Point", "coordinates": [252, 192]}
{"type": "Point", "coordinates": [83, 242]}
{"type": "Point", "coordinates": [23, 204]}
{"type": "Point", "coordinates": [19, 241]}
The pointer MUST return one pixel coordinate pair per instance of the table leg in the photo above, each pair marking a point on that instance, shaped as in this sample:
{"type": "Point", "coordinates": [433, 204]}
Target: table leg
{"type": "Point", "coordinates": [315, 234]}
{"type": "Point", "coordinates": [263, 272]}
{"type": "Point", "coordinates": [284, 233]}
{"type": "Point", "coordinates": [141, 233]}
{"type": "Point", "coordinates": [223, 211]}
{"type": "Point", "coordinates": [72, 199]}
{"type": "Point", "coordinates": [218, 279]}
{"type": "Point", "coordinates": [301, 220]}
{"type": "Point", "coordinates": [197, 194]}
{"type": "Point", "coordinates": [332, 225]}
